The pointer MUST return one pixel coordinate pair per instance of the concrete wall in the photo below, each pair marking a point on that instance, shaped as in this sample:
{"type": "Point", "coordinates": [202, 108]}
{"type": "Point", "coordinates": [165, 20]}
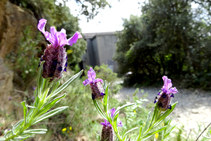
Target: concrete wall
{"type": "Point", "coordinates": [100, 49]}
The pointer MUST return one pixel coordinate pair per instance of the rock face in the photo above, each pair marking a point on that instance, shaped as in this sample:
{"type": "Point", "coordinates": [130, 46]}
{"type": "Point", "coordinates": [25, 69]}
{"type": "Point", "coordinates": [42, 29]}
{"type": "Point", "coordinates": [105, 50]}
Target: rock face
{"type": "Point", "coordinates": [13, 21]}
{"type": "Point", "coordinates": [6, 87]}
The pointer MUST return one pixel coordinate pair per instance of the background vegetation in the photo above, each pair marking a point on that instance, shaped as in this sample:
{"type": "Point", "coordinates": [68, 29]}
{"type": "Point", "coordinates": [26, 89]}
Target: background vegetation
{"type": "Point", "coordinates": [169, 38]}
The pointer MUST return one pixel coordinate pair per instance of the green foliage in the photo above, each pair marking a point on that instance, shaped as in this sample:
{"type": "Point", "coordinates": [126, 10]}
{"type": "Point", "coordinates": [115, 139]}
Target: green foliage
{"type": "Point", "coordinates": [46, 95]}
{"type": "Point", "coordinates": [166, 39]}
{"type": "Point", "coordinates": [81, 115]}
{"type": "Point", "coordinates": [57, 11]}
{"type": "Point", "coordinates": [24, 60]}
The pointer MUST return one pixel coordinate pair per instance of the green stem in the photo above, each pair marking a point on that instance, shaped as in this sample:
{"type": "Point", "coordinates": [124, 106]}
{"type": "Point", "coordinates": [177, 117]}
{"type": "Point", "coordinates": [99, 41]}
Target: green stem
{"type": "Point", "coordinates": [32, 117]}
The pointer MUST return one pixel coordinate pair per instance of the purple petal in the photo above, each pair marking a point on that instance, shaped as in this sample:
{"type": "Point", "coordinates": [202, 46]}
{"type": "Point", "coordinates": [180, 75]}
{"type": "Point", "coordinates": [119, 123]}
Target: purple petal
{"type": "Point", "coordinates": [91, 75]}
{"type": "Point", "coordinates": [120, 124]}
{"type": "Point", "coordinates": [62, 38]}
{"type": "Point", "coordinates": [105, 123]}
{"type": "Point", "coordinates": [172, 90]}
{"type": "Point", "coordinates": [167, 84]}
{"type": "Point", "coordinates": [85, 82]}
{"type": "Point", "coordinates": [112, 112]}
{"type": "Point", "coordinates": [41, 25]}
{"type": "Point", "coordinates": [74, 38]}
{"type": "Point", "coordinates": [54, 37]}
{"type": "Point", "coordinates": [98, 80]}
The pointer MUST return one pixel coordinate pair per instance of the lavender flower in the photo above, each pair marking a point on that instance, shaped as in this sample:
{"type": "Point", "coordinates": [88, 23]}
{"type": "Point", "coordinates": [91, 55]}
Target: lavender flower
{"type": "Point", "coordinates": [106, 123]}
{"type": "Point", "coordinates": [107, 130]}
{"type": "Point", "coordinates": [164, 96]}
{"type": "Point", "coordinates": [96, 85]}
{"type": "Point", "coordinates": [55, 55]}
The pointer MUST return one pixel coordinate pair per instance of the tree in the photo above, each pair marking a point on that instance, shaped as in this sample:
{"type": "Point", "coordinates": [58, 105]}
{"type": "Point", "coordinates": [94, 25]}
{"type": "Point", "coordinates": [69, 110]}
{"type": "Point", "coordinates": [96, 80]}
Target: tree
{"type": "Point", "coordinates": [165, 40]}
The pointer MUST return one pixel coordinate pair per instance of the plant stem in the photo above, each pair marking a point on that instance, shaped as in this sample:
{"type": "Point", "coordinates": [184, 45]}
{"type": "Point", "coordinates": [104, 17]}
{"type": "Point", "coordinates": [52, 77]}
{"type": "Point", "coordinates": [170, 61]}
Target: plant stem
{"type": "Point", "coordinates": [203, 131]}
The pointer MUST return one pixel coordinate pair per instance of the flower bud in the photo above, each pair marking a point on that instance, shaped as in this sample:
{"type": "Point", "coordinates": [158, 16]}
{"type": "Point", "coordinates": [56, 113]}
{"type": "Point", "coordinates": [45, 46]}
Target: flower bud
{"type": "Point", "coordinates": [97, 90]}
{"type": "Point", "coordinates": [96, 85]}
{"type": "Point", "coordinates": [164, 102]}
{"type": "Point", "coordinates": [107, 133]}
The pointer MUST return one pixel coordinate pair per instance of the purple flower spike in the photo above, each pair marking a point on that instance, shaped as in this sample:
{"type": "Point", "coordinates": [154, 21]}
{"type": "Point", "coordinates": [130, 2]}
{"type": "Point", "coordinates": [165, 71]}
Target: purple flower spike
{"type": "Point", "coordinates": [164, 99]}
{"type": "Point", "coordinates": [96, 85]}
{"type": "Point", "coordinates": [55, 55]}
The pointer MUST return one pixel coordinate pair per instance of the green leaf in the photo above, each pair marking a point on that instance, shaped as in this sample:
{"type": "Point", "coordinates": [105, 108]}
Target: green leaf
{"type": "Point", "coordinates": [50, 114]}
{"type": "Point", "coordinates": [66, 84]}
{"type": "Point", "coordinates": [24, 110]}
{"type": "Point", "coordinates": [130, 131]}
{"type": "Point", "coordinates": [35, 131]}
{"type": "Point", "coordinates": [24, 137]}
{"type": "Point", "coordinates": [115, 122]}
{"type": "Point", "coordinates": [47, 106]}
{"type": "Point", "coordinates": [169, 131]}
{"type": "Point", "coordinates": [147, 123]}
{"type": "Point", "coordinates": [105, 100]}
{"type": "Point", "coordinates": [163, 116]}
{"type": "Point", "coordinates": [99, 109]}
{"type": "Point", "coordinates": [124, 106]}
{"type": "Point", "coordinates": [152, 133]}
{"type": "Point", "coordinates": [138, 138]}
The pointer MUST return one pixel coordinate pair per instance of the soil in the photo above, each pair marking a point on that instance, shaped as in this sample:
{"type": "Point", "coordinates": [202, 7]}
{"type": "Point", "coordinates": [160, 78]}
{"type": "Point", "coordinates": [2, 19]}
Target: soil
{"type": "Point", "coordinates": [193, 108]}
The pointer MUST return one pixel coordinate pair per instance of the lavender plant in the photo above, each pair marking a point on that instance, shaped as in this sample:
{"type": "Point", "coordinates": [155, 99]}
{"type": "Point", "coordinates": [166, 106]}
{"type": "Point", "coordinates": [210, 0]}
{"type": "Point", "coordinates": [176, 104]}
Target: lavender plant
{"type": "Point", "coordinates": [110, 125]}
{"type": "Point", "coordinates": [52, 65]}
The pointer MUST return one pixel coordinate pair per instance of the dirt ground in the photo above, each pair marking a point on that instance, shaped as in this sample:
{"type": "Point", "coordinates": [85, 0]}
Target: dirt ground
{"type": "Point", "coordinates": [193, 108]}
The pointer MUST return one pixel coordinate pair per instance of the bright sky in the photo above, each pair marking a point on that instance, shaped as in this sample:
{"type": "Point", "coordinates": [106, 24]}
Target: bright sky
{"type": "Point", "coordinates": [108, 19]}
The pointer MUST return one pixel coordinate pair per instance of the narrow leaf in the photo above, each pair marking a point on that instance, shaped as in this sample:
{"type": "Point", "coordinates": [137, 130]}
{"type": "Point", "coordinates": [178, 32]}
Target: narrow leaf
{"type": "Point", "coordinates": [50, 114]}
{"type": "Point", "coordinates": [99, 109]}
{"type": "Point", "coordinates": [163, 116]}
{"type": "Point", "coordinates": [50, 104]}
{"type": "Point", "coordinates": [130, 131]}
{"type": "Point", "coordinates": [105, 100]}
{"type": "Point", "coordinates": [152, 133]}
{"type": "Point", "coordinates": [147, 123]}
{"type": "Point", "coordinates": [66, 84]}
{"type": "Point", "coordinates": [124, 106]}
{"type": "Point", "coordinates": [35, 131]}
{"type": "Point", "coordinates": [115, 122]}
{"type": "Point", "coordinates": [24, 110]}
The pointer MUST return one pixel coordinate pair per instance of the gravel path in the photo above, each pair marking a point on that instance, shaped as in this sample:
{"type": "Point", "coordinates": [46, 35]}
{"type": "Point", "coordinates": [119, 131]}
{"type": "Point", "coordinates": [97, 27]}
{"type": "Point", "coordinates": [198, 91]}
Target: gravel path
{"type": "Point", "coordinates": [193, 108]}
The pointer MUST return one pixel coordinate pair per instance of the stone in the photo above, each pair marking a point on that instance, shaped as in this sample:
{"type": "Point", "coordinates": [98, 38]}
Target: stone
{"type": "Point", "coordinates": [13, 21]}
{"type": "Point", "coordinates": [6, 88]}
